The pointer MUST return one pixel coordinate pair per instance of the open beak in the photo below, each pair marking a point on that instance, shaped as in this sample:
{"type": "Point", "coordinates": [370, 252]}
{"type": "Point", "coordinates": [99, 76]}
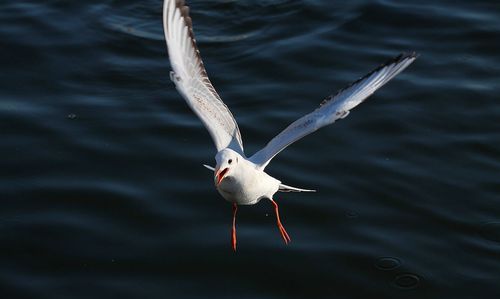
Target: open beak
{"type": "Point", "coordinates": [219, 175]}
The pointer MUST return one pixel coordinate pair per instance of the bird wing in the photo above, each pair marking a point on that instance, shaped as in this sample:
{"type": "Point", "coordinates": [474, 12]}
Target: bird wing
{"type": "Point", "coordinates": [191, 80]}
{"type": "Point", "coordinates": [334, 107]}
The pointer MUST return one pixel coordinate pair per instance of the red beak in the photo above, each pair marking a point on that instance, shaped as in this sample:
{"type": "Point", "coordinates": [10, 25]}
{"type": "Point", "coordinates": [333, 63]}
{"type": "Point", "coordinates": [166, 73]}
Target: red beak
{"type": "Point", "coordinates": [219, 175]}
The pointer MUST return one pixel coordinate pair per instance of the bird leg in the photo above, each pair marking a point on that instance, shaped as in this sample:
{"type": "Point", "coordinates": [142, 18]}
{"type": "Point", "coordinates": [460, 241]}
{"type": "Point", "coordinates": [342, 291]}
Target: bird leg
{"type": "Point", "coordinates": [233, 230]}
{"type": "Point", "coordinates": [283, 232]}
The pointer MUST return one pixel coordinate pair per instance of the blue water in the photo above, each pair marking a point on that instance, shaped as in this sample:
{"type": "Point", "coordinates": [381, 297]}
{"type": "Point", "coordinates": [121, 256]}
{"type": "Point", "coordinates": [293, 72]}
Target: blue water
{"type": "Point", "coordinates": [103, 193]}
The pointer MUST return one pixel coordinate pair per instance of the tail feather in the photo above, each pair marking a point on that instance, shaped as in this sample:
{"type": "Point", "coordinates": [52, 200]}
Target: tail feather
{"type": "Point", "coordinates": [209, 167]}
{"type": "Point", "coordinates": [282, 187]}
{"type": "Point", "coordinates": [286, 188]}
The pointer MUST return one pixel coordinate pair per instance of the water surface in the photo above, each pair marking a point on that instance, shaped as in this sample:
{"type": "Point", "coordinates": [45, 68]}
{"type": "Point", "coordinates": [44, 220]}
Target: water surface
{"type": "Point", "coordinates": [102, 185]}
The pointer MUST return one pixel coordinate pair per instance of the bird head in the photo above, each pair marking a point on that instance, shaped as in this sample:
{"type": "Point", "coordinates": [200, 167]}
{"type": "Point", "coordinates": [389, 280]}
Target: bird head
{"type": "Point", "coordinates": [227, 160]}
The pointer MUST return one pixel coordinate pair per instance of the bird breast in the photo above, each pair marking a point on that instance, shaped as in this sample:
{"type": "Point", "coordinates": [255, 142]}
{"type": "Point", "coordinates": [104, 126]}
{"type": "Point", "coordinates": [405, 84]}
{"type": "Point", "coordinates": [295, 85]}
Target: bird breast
{"type": "Point", "coordinates": [248, 186]}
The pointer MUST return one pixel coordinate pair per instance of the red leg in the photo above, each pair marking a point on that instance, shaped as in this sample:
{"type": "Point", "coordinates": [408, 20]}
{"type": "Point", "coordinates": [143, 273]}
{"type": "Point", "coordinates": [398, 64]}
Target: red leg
{"type": "Point", "coordinates": [283, 232]}
{"type": "Point", "coordinates": [233, 230]}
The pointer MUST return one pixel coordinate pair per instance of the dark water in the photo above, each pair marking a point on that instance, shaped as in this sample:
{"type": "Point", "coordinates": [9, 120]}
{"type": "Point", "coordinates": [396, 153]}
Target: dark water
{"type": "Point", "coordinates": [103, 193]}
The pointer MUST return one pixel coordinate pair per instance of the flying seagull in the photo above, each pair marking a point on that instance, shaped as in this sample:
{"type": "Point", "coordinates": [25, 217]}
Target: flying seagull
{"type": "Point", "coordinates": [241, 180]}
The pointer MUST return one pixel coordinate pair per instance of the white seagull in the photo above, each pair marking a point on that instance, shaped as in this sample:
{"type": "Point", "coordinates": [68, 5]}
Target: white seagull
{"type": "Point", "coordinates": [241, 180]}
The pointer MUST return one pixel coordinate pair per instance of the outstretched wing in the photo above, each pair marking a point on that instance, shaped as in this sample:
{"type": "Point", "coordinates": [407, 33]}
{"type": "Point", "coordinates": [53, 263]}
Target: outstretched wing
{"type": "Point", "coordinates": [191, 80]}
{"type": "Point", "coordinates": [334, 107]}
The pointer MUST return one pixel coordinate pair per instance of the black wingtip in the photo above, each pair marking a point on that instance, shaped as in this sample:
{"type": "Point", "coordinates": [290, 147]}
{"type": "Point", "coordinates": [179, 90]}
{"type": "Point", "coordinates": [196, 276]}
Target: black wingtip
{"type": "Point", "coordinates": [395, 60]}
{"type": "Point", "coordinates": [411, 54]}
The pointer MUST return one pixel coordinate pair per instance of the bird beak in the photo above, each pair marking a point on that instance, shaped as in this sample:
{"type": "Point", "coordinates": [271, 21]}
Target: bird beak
{"type": "Point", "coordinates": [219, 175]}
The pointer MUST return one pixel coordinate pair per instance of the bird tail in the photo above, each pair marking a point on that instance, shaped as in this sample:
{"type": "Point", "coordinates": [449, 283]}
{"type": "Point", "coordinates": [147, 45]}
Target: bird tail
{"type": "Point", "coordinates": [282, 188]}
{"type": "Point", "coordinates": [209, 167]}
{"type": "Point", "coordinates": [286, 188]}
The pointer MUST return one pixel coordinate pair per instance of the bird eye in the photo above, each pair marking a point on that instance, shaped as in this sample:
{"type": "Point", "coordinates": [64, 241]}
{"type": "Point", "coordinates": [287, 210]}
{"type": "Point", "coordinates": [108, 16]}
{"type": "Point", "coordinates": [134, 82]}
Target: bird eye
{"type": "Point", "coordinates": [230, 161]}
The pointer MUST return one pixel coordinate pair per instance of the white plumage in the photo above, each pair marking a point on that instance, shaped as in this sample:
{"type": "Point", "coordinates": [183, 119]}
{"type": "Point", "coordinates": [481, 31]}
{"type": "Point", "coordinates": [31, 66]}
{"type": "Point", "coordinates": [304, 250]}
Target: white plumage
{"type": "Point", "coordinates": [241, 180]}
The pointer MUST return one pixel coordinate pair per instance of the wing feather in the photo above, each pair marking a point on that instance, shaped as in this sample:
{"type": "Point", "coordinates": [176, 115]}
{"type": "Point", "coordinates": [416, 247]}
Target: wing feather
{"type": "Point", "coordinates": [334, 107]}
{"type": "Point", "coordinates": [191, 80]}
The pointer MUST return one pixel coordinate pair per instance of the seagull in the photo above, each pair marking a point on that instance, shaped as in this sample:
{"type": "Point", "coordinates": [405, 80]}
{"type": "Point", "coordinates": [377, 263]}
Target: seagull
{"type": "Point", "coordinates": [241, 180]}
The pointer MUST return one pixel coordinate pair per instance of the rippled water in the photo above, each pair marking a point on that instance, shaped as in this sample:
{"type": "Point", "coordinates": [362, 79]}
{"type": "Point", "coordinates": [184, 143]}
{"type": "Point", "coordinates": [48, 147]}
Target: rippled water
{"type": "Point", "coordinates": [103, 190]}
